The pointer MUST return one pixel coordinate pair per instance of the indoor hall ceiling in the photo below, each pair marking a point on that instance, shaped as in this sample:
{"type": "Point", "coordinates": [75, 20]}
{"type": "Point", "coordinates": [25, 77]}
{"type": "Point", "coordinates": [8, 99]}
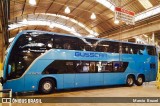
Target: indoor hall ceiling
{"type": "Point", "coordinates": [36, 27]}
{"type": "Point", "coordinates": [81, 11]}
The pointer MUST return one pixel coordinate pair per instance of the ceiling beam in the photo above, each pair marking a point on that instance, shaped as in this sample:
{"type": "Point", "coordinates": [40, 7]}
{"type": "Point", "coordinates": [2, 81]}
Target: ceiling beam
{"type": "Point", "coordinates": [23, 6]}
{"type": "Point", "coordinates": [146, 28]}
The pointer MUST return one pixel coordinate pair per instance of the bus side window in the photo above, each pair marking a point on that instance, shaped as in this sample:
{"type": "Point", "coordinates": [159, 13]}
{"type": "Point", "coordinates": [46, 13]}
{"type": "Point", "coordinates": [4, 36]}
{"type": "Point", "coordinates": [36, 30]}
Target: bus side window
{"type": "Point", "coordinates": [152, 65]}
{"type": "Point", "coordinates": [151, 50]}
{"type": "Point", "coordinates": [119, 66]}
{"type": "Point", "coordinates": [79, 67]}
{"type": "Point", "coordinates": [104, 46]}
{"type": "Point", "coordinates": [137, 49]}
{"type": "Point", "coordinates": [56, 67]}
{"type": "Point", "coordinates": [125, 48]}
{"type": "Point", "coordinates": [67, 46]}
{"type": "Point", "coordinates": [70, 67]}
{"type": "Point", "coordinates": [92, 67]}
{"type": "Point", "coordinates": [58, 42]}
{"type": "Point", "coordinates": [107, 66]}
{"type": "Point", "coordinates": [83, 66]}
{"type": "Point", "coordinates": [114, 47]}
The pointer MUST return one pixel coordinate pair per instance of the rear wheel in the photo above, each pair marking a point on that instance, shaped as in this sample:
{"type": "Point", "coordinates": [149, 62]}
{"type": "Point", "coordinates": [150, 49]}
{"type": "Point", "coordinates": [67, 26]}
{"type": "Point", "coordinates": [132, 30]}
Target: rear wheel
{"type": "Point", "coordinates": [47, 86]}
{"type": "Point", "coordinates": [139, 80]}
{"type": "Point", "coordinates": [130, 80]}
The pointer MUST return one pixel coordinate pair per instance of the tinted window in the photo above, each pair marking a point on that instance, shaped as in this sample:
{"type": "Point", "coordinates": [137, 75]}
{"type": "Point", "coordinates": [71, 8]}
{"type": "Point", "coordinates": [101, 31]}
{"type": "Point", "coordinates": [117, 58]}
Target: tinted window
{"type": "Point", "coordinates": [119, 66]}
{"type": "Point", "coordinates": [86, 66]}
{"type": "Point", "coordinates": [60, 67]}
{"type": "Point", "coordinates": [152, 65]}
{"type": "Point", "coordinates": [125, 48]}
{"type": "Point", "coordinates": [106, 67]}
{"type": "Point", "coordinates": [114, 66]}
{"type": "Point", "coordinates": [73, 66]}
{"type": "Point", "coordinates": [25, 51]}
{"type": "Point", "coordinates": [67, 42]}
{"type": "Point", "coordinates": [136, 49]}
{"type": "Point", "coordinates": [151, 50]}
{"type": "Point", "coordinates": [92, 41]}
{"type": "Point", "coordinates": [108, 46]}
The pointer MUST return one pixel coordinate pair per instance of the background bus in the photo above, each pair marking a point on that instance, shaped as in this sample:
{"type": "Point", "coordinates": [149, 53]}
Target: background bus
{"type": "Point", "coordinates": [44, 61]}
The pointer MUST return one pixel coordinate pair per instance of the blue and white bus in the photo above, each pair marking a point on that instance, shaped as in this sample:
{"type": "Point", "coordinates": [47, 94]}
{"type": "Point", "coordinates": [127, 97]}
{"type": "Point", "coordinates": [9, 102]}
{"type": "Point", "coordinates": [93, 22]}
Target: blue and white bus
{"type": "Point", "coordinates": [44, 61]}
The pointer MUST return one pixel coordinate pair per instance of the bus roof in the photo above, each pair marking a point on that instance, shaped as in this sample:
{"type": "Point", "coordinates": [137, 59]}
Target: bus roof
{"type": "Point", "coordinates": [98, 39]}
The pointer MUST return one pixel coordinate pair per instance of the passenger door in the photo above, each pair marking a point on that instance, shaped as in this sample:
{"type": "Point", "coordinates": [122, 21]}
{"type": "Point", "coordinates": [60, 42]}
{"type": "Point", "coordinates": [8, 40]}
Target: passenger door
{"type": "Point", "coordinates": [69, 80]}
{"type": "Point", "coordinates": [82, 74]}
{"type": "Point", "coordinates": [69, 76]}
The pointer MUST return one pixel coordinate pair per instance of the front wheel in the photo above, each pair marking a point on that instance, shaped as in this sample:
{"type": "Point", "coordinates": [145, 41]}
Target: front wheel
{"type": "Point", "coordinates": [47, 86]}
{"type": "Point", "coordinates": [139, 80]}
{"type": "Point", "coordinates": [130, 81]}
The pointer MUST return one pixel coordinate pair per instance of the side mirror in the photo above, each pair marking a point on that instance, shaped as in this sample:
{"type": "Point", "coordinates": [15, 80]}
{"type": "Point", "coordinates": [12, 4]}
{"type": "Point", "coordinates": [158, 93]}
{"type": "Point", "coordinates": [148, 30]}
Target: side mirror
{"type": "Point", "coordinates": [1, 80]}
{"type": "Point", "coordinates": [9, 69]}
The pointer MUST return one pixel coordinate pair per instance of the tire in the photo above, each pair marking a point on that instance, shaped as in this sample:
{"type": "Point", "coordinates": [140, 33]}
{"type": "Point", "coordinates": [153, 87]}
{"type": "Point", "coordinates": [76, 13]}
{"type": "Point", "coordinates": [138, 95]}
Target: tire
{"type": "Point", "coordinates": [139, 80]}
{"type": "Point", "coordinates": [47, 86]}
{"type": "Point", "coordinates": [130, 81]}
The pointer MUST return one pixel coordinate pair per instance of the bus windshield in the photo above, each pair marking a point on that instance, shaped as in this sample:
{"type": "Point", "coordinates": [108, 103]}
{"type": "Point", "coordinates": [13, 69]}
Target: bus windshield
{"type": "Point", "coordinates": [25, 50]}
{"type": "Point", "coordinates": [30, 46]}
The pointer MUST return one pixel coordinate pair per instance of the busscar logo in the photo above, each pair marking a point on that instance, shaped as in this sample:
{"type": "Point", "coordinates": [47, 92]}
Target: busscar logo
{"type": "Point", "coordinates": [90, 54]}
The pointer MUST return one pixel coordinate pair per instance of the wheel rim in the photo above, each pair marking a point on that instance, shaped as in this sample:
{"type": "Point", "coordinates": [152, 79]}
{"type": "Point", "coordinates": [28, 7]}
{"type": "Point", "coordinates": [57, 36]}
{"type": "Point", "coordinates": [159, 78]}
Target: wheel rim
{"type": "Point", "coordinates": [130, 81]}
{"type": "Point", "coordinates": [47, 86]}
{"type": "Point", "coordinates": [140, 80]}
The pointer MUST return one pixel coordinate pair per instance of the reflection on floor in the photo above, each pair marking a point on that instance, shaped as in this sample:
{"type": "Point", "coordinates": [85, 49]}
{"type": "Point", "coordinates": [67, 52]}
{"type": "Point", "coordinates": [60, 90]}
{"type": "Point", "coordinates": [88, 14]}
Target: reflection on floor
{"type": "Point", "coordinates": [147, 90]}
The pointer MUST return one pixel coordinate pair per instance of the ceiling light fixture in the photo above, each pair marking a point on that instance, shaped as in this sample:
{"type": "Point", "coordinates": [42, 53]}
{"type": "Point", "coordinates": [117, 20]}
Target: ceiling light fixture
{"type": "Point", "coordinates": [32, 2]}
{"type": "Point", "coordinates": [67, 10]}
{"type": "Point", "coordinates": [25, 21]}
{"type": "Point", "coordinates": [116, 21]}
{"type": "Point", "coordinates": [51, 26]}
{"type": "Point", "coordinates": [73, 29]}
{"type": "Point", "coordinates": [93, 16]}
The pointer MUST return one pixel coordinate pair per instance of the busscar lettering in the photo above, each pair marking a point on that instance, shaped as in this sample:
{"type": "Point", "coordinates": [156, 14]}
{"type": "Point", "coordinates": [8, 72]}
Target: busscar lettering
{"type": "Point", "coordinates": [90, 54]}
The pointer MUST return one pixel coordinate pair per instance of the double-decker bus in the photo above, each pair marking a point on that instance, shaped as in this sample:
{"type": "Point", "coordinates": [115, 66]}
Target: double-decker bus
{"type": "Point", "coordinates": [44, 61]}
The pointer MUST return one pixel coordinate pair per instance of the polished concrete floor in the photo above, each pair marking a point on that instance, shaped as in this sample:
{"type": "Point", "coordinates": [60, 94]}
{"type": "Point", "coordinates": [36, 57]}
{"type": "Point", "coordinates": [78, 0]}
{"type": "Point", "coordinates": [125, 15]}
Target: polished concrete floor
{"type": "Point", "coordinates": [147, 90]}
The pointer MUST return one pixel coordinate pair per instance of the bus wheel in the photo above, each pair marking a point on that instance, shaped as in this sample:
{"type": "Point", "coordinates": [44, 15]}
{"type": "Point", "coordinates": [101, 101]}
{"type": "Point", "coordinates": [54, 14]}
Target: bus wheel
{"type": "Point", "coordinates": [139, 80]}
{"type": "Point", "coordinates": [130, 80]}
{"type": "Point", "coordinates": [47, 86]}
